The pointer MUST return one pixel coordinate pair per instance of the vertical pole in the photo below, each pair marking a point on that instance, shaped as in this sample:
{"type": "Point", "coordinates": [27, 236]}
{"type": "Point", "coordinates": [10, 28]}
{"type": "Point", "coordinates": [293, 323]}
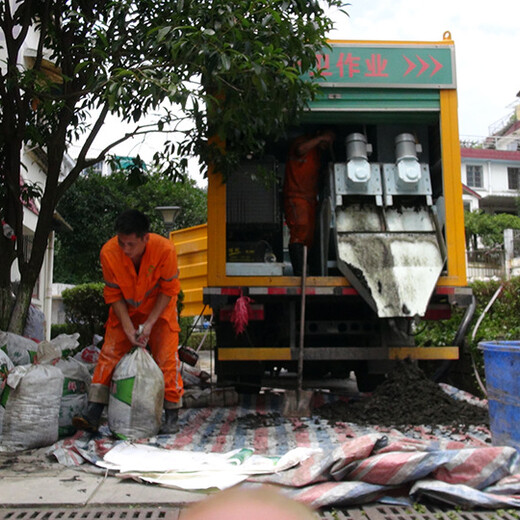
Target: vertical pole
{"type": "Point", "coordinates": [302, 322]}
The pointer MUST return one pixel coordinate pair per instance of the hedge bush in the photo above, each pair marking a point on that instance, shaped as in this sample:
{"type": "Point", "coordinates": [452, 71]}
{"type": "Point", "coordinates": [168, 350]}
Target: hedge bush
{"type": "Point", "coordinates": [85, 310]}
{"type": "Point", "coordinates": [500, 323]}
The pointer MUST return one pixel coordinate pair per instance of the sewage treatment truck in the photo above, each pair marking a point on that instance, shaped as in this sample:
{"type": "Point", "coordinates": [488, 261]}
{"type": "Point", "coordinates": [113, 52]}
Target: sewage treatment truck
{"type": "Point", "coordinates": [389, 246]}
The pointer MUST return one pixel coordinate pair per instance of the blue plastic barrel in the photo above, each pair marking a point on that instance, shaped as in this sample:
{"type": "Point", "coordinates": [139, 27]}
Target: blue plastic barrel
{"type": "Point", "coordinates": [502, 367]}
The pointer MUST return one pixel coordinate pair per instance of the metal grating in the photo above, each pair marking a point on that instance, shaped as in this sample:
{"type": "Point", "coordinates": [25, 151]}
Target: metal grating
{"type": "Point", "coordinates": [422, 512]}
{"type": "Point", "coordinates": [343, 514]}
{"type": "Point", "coordinates": [374, 512]}
{"type": "Point", "coordinates": [126, 513]}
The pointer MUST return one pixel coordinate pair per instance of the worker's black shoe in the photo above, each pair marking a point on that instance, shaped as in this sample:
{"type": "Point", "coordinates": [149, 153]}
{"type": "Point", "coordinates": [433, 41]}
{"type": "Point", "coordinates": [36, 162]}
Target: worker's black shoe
{"type": "Point", "coordinates": [89, 421]}
{"type": "Point", "coordinates": [171, 417]}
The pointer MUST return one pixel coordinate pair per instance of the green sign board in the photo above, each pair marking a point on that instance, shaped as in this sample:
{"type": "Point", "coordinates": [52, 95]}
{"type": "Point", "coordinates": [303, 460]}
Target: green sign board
{"type": "Point", "coordinates": [387, 65]}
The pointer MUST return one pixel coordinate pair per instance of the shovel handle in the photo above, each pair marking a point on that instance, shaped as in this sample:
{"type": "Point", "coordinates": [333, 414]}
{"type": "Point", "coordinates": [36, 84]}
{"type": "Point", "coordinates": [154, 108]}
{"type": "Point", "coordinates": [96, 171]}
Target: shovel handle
{"type": "Point", "coordinates": [302, 320]}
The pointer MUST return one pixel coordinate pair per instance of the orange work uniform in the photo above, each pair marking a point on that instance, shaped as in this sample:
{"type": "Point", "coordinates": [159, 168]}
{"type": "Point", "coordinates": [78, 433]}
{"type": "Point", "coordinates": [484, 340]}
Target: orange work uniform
{"type": "Point", "coordinates": [300, 193]}
{"type": "Point", "coordinates": [158, 273]}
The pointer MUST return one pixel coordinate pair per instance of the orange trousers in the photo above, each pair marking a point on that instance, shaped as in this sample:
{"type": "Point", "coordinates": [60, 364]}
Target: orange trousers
{"type": "Point", "coordinates": [300, 215]}
{"type": "Point", "coordinates": [163, 345]}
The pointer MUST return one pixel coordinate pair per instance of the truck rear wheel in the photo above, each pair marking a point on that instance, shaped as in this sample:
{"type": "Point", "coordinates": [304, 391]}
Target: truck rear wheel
{"type": "Point", "coordinates": [368, 382]}
{"type": "Point", "coordinates": [248, 384]}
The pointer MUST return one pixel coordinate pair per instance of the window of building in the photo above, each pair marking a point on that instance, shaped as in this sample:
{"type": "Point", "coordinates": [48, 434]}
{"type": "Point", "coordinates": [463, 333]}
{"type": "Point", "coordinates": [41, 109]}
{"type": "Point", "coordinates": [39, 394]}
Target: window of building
{"type": "Point", "coordinates": [474, 176]}
{"type": "Point", "coordinates": [513, 175]}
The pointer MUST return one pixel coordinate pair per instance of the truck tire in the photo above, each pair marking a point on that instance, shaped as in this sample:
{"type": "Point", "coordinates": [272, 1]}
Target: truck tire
{"type": "Point", "coordinates": [248, 384]}
{"type": "Point", "coordinates": [368, 382]}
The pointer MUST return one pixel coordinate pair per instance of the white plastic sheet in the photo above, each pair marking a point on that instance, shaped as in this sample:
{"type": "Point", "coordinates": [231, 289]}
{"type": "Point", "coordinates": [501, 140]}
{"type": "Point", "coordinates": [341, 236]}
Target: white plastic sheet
{"type": "Point", "coordinates": [196, 470]}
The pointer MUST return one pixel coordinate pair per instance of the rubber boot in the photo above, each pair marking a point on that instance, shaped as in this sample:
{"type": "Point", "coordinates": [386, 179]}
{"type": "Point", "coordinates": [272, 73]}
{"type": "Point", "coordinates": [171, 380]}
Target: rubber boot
{"type": "Point", "coordinates": [89, 421]}
{"type": "Point", "coordinates": [296, 256]}
{"type": "Point", "coordinates": [171, 416]}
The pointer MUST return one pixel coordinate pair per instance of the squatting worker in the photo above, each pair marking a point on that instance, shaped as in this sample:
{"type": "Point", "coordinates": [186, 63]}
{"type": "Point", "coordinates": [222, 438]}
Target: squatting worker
{"type": "Point", "coordinates": [141, 286]}
{"type": "Point", "coordinates": [300, 191]}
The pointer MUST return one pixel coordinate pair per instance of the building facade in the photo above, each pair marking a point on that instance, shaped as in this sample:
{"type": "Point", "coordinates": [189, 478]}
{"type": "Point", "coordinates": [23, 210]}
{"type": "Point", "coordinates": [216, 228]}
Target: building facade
{"type": "Point", "coordinates": [491, 172]}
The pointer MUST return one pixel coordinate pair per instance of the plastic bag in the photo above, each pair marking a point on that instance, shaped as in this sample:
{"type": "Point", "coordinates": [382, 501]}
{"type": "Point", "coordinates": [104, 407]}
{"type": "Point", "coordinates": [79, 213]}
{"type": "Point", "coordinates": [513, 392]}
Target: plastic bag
{"type": "Point", "coordinates": [35, 324]}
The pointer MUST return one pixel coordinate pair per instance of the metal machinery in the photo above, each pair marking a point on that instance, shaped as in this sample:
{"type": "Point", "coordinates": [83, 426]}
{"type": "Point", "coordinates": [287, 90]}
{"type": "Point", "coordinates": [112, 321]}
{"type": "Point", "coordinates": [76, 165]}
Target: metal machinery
{"type": "Point", "coordinates": [387, 233]}
{"type": "Point", "coordinates": [389, 245]}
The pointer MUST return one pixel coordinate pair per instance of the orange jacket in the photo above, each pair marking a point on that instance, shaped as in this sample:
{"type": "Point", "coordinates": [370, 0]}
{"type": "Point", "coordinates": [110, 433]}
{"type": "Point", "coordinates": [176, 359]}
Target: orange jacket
{"type": "Point", "coordinates": [158, 273]}
{"type": "Point", "coordinates": [302, 173]}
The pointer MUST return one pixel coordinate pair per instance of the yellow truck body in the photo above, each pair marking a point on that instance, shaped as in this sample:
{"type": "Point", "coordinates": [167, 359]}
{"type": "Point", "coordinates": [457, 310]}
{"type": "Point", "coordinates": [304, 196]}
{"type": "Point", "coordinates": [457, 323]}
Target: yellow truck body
{"type": "Point", "coordinates": [384, 92]}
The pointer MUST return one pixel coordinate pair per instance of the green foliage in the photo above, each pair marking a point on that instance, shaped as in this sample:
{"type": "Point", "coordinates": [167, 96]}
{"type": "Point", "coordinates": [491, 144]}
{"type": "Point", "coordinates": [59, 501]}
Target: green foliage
{"type": "Point", "coordinates": [62, 328]}
{"type": "Point", "coordinates": [207, 71]}
{"type": "Point", "coordinates": [85, 310]}
{"type": "Point", "coordinates": [489, 228]}
{"type": "Point", "coordinates": [91, 206]}
{"type": "Point", "coordinates": [499, 324]}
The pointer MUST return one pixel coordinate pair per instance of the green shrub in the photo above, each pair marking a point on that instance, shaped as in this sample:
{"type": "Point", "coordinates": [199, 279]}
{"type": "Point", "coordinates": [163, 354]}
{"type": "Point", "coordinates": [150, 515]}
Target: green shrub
{"type": "Point", "coordinates": [61, 328]}
{"type": "Point", "coordinates": [85, 310]}
{"type": "Point", "coordinates": [500, 323]}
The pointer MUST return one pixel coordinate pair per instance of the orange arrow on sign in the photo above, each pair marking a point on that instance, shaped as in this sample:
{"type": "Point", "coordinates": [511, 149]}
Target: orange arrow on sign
{"type": "Point", "coordinates": [411, 66]}
{"type": "Point", "coordinates": [424, 66]}
{"type": "Point", "coordinates": [438, 66]}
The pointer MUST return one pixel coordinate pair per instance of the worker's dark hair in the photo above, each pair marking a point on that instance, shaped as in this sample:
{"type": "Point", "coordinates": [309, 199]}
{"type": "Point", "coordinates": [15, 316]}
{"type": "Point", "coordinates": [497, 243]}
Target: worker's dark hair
{"type": "Point", "coordinates": [132, 221]}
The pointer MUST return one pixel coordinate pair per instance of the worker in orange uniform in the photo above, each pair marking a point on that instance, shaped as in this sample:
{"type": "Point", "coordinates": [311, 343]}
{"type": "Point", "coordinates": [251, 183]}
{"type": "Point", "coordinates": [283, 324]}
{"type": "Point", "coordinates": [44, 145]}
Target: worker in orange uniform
{"type": "Point", "coordinates": [141, 286]}
{"type": "Point", "coordinates": [300, 192]}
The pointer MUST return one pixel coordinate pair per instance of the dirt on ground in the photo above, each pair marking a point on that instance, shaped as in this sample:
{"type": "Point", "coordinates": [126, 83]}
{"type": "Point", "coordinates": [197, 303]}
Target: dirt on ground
{"type": "Point", "coordinates": [406, 397]}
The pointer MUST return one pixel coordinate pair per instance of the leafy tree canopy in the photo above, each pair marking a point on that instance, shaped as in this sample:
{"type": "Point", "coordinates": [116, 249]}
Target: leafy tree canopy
{"type": "Point", "coordinates": [92, 204]}
{"type": "Point", "coordinates": [232, 68]}
{"type": "Point", "coordinates": [489, 228]}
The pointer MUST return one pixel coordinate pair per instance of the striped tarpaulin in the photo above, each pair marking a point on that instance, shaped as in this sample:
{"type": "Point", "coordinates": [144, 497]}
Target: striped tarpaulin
{"type": "Point", "coordinates": [355, 464]}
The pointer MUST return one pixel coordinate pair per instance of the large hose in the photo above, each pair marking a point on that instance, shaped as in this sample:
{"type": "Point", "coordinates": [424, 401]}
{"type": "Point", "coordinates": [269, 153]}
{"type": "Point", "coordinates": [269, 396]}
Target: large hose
{"type": "Point", "coordinates": [460, 336]}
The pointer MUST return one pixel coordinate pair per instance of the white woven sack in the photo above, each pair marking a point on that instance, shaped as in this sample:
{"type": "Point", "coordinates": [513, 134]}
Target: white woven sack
{"type": "Point", "coordinates": [6, 365]}
{"type": "Point", "coordinates": [32, 407]}
{"type": "Point", "coordinates": [136, 396]}
{"type": "Point", "coordinates": [21, 351]}
{"type": "Point", "coordinates": [74, 399]}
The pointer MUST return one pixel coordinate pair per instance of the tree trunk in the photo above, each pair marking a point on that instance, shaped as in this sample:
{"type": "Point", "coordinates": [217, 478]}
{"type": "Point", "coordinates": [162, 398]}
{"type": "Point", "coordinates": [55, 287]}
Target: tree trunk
{"type": "Point", "coordinates": [6, 303]}
{"type": "Point", "coordinates": [21, 307]}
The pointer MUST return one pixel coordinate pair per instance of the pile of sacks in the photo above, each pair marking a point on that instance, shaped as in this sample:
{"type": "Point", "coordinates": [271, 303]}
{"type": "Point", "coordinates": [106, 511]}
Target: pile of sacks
{"type": "Point", "coordinates": [40, 390]}
{"type": "Point", "coordinates": [42, 387]}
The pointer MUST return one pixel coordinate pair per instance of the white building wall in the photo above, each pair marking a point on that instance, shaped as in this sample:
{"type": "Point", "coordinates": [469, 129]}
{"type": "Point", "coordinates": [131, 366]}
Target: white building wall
{"type": "Point", "coordinates": [494, 179]}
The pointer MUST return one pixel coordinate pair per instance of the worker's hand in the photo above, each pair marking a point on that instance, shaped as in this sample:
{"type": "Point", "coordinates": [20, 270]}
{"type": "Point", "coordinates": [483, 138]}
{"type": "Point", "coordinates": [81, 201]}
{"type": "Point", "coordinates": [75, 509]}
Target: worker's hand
{"type": "Point", "coordinates": [143, 334]}
{"type": "Point", "coordinates": [327, 137]}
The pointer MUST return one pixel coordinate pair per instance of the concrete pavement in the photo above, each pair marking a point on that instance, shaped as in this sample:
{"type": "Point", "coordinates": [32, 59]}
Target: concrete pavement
{"type": "Point", "coordinates": [31, 479]}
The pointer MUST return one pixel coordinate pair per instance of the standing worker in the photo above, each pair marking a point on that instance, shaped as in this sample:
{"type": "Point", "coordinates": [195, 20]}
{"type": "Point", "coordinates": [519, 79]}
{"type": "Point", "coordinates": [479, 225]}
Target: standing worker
{"type": "Point", "coordinates": [141, 286]}
{"type": "Point", "coordinates": [300, 192]}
